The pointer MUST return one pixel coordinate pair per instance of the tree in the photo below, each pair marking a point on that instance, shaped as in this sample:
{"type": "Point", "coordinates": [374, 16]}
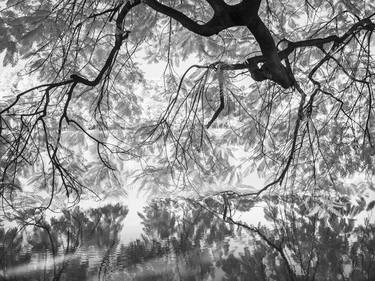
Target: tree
{"type": "Point", "coordinates": [288, 82]}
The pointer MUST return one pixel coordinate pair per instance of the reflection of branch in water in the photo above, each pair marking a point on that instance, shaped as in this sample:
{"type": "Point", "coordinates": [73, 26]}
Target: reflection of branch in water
{"type": "Point", "coordinates": [105, 262]}
{"type": "Point", "coordinates": [278, 248]}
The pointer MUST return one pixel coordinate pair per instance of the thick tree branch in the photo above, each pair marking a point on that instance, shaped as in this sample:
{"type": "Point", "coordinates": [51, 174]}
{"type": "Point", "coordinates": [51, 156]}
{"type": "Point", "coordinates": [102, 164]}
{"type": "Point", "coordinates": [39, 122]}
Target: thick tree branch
{"type": "Point", "coordinates": [217, 5]}
{"type": "Point", "coordinates": [258, 73]}
{"type": "Point", "coordinates": [225, 16]}
{"type": "Point", "coordinates": [364, 24]}
{"type": "Point", "coordinates": [242, 14]}
{"type": "Point", "coordinates": [208, 29]}
{"type": "Point", "coordinates": [273, 69]}
{"type": "Point", "coordinates": [246, 14]}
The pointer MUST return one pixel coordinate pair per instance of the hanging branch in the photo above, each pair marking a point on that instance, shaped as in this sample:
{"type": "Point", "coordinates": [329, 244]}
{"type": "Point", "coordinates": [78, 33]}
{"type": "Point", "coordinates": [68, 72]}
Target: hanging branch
{"type": "Point", "coordinates": [220, 78]}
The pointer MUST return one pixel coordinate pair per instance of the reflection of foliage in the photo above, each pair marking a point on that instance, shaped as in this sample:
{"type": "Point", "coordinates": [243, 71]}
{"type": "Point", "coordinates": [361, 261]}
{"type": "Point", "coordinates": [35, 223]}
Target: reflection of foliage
{"type": "Point", "coordinates": [170, 218]}
{"type": "Point", "coordinates": [296, 246]}
{"type": "Point", "coordinates": [75, 231]}
{"type": "Point", "coordinates": [12, 252]}
{"type": "Point", "coordinates": [304, 243]}
{"type": "Point", "coordinates": [176, 244]}
{"type": "Point", "coordinates": [189, 241]}
{"type": "Point", "coordinates": [79, 227]}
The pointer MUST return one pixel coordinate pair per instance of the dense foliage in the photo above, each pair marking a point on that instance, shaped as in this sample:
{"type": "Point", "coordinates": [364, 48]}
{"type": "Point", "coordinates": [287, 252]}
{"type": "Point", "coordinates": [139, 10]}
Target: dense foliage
{"type": "Point", "coordinates": [279, 88]}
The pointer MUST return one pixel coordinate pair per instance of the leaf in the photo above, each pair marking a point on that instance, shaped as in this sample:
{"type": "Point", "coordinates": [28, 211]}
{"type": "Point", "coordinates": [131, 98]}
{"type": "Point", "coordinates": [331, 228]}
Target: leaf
{"type": "Point", "coordinates": [332, 210]}
{"type": "Point", "coordinates": [292, 23]}
{"type": "Point", "coordinates": [370, 206]}
{"type": "Point", "coordinates": [261, 166]}
{"type": "Point", "coordinates": [29, 38]}
{"type": "Point", "coordinates": [11, 3]}
{"type": "Point", "coordinates": [10, 56]}
{"type": "Point", "coordinates": [314, 211]}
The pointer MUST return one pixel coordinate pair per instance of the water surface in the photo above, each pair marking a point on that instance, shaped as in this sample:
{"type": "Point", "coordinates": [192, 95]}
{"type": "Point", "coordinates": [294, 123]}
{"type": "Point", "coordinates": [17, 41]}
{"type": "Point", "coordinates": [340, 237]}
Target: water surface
{"type": "Point", "coordinates": [185, 239]}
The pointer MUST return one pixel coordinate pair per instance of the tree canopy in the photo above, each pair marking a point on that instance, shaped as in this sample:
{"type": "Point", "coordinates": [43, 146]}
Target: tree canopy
{"type": "Point", "coordinates": [280, 88]}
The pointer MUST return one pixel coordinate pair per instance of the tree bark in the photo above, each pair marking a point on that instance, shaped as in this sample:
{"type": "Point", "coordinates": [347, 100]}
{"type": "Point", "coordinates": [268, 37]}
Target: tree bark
{"type": "Point", "coordinates": [225, 16]}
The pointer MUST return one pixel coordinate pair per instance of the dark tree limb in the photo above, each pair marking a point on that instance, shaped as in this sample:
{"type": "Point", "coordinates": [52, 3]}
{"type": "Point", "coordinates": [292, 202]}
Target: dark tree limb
{"type": "Point", "coordinates": [221, 95]}
{"type": "Point", "coordinates": [259, 74]}
{"type": "Point", "coordinates": [242, 14]}
{"type": "Point", "coordinates": [246, 14]}
{"type": "Point", "coordinates": [210, 28]}
{"type": "Point", "coordinates": [225, 16]}
{"type": "Point", "coordinates": [272, 69]}
{"type": "Point", "coordinates": [217, 5]}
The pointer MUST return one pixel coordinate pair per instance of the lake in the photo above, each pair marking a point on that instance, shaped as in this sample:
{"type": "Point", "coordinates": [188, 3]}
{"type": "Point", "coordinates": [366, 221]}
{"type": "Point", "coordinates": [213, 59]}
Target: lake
{"type": "Point", "coordinates": [272, 238]}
